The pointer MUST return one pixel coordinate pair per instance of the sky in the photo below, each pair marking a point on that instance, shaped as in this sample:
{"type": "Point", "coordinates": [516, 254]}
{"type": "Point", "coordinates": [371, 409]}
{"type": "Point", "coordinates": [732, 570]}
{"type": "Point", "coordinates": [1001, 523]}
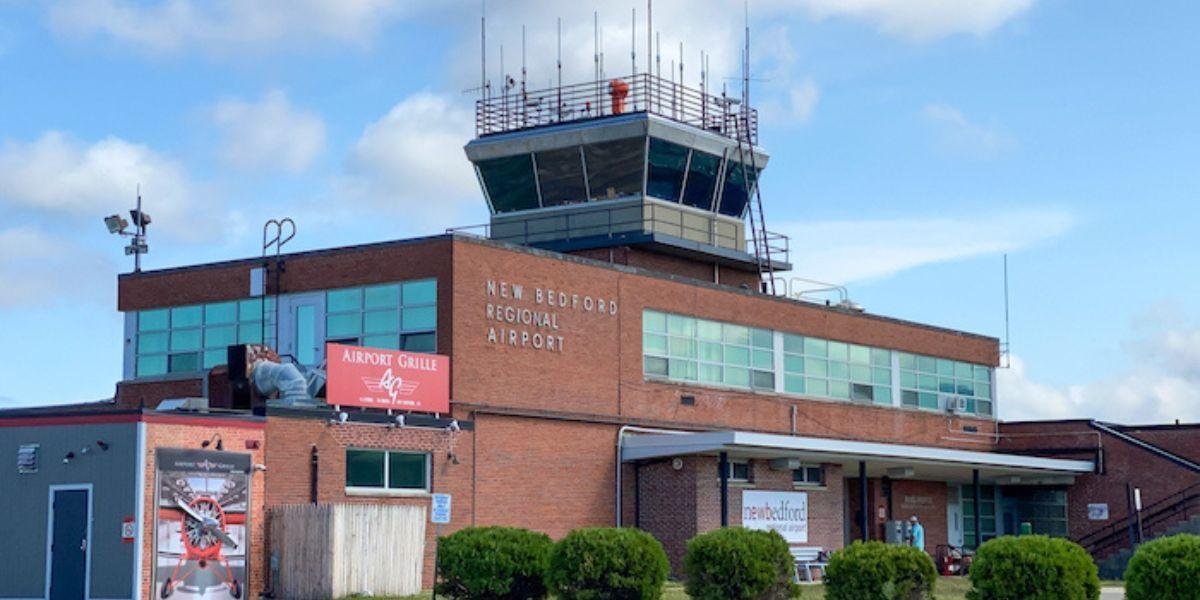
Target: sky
{"type": "Point", "coordinates": [914, 144]}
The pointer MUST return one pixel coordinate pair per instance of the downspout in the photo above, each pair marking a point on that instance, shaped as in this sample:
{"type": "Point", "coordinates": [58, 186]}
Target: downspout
{"type": "Point", "coordinates": [621, 438]}
{"type": "Point", "coordinates": [313, 463]}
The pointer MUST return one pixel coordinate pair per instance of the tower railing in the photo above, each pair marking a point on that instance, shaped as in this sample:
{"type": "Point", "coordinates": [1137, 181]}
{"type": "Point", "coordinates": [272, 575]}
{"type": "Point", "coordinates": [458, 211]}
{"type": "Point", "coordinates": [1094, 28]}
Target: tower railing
{"type": "Point", "coordinates": [515, 110]}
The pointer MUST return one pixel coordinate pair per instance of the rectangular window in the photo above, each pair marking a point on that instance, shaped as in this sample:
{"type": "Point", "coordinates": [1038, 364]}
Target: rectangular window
{"type": "Point", "coordinates": [396, 316]}
{"type": "Point", "coordinates": [691, 349]}
{"type": "Point", "coordinates": [739, 471]}
{"type": "Point", "coordinates": [381, 470]}
{"type": "Point", "coordinates": [684, 348]}
{"type": "Point", "coordinates": [925, 381]}
{"type": "Point", "coordinates": [828, 369]}
{"type": "Point", "coordinates": [808, 475]}
{"type": "Point", "coordinates": [188, 339]}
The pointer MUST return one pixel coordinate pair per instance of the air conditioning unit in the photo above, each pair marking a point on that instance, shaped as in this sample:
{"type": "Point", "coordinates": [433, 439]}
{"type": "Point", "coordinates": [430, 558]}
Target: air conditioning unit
{"type": "Point", "coordinates": [953, 403]}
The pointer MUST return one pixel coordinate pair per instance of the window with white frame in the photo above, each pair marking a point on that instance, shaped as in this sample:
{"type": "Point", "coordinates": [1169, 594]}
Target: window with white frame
{"type": "Point", "coordinates": [705, 352]}
{"type": "Point", "coordinates": [838, 370]}
{"type": "Point", "coordinates": [379, 470]}
{"type": "Point", "coordinates": [924, 379]}
{"type": "Point", "coordinates": [739, 471]}
{"type": "Point", "coordinates": [690, 349]}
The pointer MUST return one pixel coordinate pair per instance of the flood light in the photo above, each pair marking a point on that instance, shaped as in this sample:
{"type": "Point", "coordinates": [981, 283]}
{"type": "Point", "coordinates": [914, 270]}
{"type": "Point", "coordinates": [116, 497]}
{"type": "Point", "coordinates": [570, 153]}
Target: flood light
{"type": "Point", "coordinates": [115, 224]}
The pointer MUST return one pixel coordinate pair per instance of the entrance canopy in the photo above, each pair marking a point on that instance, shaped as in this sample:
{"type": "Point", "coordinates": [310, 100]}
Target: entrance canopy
{"type": "Point", "coordinates": [897, 461]}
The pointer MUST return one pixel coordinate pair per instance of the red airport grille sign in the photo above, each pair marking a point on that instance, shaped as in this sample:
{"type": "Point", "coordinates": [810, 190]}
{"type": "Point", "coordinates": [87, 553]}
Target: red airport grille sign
{"type": "Point", "coordinates": [379, 378]}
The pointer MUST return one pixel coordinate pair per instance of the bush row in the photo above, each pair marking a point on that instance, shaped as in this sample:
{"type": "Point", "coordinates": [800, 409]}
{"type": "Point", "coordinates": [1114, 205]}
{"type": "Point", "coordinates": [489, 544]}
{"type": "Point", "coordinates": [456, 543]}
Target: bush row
{"type": "Point", "coordinates": [504, 563]}
{"type": "Point", "coordinates": [498, 563]}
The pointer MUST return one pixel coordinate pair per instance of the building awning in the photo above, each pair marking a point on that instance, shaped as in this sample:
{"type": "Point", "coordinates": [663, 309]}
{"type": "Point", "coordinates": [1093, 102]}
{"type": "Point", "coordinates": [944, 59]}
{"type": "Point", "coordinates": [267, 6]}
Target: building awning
{"type": "Point", "coordinates": [899, 461]}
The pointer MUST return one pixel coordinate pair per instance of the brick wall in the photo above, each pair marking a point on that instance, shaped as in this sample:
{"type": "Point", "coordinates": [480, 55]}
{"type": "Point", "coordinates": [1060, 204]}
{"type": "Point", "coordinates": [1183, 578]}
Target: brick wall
{"type": "Point", "coordinates": [1123, 463]}
{"type": "Point", "coordinates": [169, 431]}
{"type": "Point", "coordinates": [289, 467]}
{"type": "Point", "coordinates": [677, 504]}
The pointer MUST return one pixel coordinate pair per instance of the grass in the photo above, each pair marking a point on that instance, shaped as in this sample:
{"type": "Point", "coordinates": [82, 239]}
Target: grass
{"type": "Point", "coordinates": [948, 588]}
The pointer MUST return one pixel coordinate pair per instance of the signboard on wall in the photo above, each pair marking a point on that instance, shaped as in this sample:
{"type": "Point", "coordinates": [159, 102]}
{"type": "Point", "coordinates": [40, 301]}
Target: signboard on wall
{"type": "Point", "coordinates": [380, 378]}
{"type": "Point", "coordinates": [201, 529]}
{"type": "Point", "coordinates": [1097, 512]}
{"type": "Point", "coordinates": [785, 512]}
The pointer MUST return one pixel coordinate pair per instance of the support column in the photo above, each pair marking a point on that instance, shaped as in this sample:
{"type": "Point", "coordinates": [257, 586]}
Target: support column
{"type": "Point", "coordinates": [975, 507]}
{"type": "Point", "coordinates": [862, 500]}
{"type": "Point", "coordinates": [723, 465]}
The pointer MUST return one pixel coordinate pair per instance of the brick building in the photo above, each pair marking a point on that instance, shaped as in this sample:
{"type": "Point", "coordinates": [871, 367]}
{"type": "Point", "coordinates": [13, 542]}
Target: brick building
{"type": "Point", "coordinates": [620, 355]}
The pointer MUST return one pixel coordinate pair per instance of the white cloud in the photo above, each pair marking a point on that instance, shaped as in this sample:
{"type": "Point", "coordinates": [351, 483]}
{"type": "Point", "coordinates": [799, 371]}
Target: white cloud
{"type": "Point", "coordinates": [225, 27]}
{"type": "Point", "coordinates": [1150, 392]}
{"type": "Point", "coordinates": [959, 135]}
{"type": "Point", "coordinates": [849, 251]}
{"type": "Point", "coordinates": [411, 162]}
{"type": "Point", "coordinates": [922, 20]}
{"type": "Point", "coordinates": [269, 133]}
{"type": "Point", "coordinates": [60, 175]}
{"type": "Point", "coordinates": [38, 268]}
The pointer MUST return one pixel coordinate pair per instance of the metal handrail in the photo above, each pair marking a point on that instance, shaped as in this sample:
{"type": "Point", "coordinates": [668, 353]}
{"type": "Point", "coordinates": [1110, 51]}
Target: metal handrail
{"type": "Point", "coordinates": [1152, 516]}
{"type": "Point", "coordinates": [516, 110]}
{"type": "Point", "coordinates": [614, 227]}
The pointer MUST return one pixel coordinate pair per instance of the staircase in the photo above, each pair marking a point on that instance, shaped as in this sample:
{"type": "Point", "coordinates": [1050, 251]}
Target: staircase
{"type": "Point", "coordinates": [1112, 546]}
{"type": "Point", "coordinates": [1113, 566]}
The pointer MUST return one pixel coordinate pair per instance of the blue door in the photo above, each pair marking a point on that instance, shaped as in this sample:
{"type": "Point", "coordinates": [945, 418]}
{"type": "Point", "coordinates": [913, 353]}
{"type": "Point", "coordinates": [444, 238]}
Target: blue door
{"type": "Point", "coordinates": [69, 545]}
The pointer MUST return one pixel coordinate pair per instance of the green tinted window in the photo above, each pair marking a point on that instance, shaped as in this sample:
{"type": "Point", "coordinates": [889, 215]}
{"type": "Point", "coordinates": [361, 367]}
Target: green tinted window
{"type": "Point", "coordinates": [509, 182]}
{"type": "Point", "coordinates": [666, 170]}
{"type": "Point", "coordinates": [365, 468]}
{"type": "Point", "coordinates": [407, 471]}
{"type": "Point", "coordinates": [701, 180]}
{"type": "Point", "coordinates": [420, 292]}
{"type": "Point", "coordinates": [187, 316]}
{"type": "Point", "coordinates": [381, 296]}
{"type": "Point", "coordinates": [154, 320]}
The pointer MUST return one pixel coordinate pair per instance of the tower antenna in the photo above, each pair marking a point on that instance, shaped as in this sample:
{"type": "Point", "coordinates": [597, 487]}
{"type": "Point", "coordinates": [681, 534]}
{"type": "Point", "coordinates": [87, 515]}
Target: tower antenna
{"type": "Point", "coordinates": [633, 43]}
{"type": "Point", "coordinates": [649, 33]}
{"type": "Point", "coordinates": [483, 82]}
{"type": "Point", "coordinates": [1005, 347]}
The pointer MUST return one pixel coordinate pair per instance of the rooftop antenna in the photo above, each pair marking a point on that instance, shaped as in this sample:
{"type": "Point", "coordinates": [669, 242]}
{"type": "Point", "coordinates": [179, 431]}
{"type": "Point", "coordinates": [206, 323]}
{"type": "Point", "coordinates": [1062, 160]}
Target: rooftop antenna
{"type": "Point", "coordinates": [633, 43]}
{"type": "Point", "coordinates": [657, 54]}
{"type": "Point", "coordinates": [649, 32]}
{"type": "Point", "coordinates": [524, 100]}
{"type": "Point", "coordinates": [483, 80]}
{"type": "Point", "coordinates": [559, 108]}
{"type": "Point", "coordinates": [137, 245]}
{"type": "Point", "coordinates": [596, 55]}
{"type": "Point", "coordinates": [1005, 347]}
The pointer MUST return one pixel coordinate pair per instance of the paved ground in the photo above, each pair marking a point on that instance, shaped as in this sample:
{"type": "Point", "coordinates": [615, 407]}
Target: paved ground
{"type": "Point", "coordinates": [1112, 593]}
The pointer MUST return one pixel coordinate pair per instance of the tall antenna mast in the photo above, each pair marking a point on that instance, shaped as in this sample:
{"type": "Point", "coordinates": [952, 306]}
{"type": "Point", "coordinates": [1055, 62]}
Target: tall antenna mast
{"type": "Point", "coordinates": [746, 61]}
{"type": "Point", "coordinates": [483, 82]}
{"type": "Point", "coordinates": [633, 43]}
{"type": "Point", "coordinates": [657, 55]}
{"type": "Point", "coordinates": [649, 34]}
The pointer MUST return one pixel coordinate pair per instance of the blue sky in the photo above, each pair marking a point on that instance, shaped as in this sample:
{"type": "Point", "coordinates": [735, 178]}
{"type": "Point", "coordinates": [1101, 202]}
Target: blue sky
{"type": "Point", "coordinates": [914, 142]}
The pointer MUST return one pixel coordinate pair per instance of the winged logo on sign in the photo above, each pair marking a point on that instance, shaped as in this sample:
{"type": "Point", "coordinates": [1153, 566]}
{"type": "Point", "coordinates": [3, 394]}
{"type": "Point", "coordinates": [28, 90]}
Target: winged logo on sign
{"type": "Point", "coordinates": [394, 386]}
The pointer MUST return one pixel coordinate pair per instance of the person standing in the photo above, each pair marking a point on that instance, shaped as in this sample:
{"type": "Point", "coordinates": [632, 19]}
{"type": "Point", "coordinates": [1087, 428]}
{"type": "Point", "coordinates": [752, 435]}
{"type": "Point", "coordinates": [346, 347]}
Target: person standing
{"type": "Point", "coordinates": [918, 533]}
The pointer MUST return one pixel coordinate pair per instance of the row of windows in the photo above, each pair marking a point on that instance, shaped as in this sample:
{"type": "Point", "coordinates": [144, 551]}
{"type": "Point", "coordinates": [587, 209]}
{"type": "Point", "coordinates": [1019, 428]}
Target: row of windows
{"type": "Point", "coordinates": [689, 349]}
{"type": "Point", "coordinates": [186, 339]}
{"type": "Point", "coordinates": [190, 338]}
{"type": "Point", "coordinates": [397, 316]}
{"type": "Point", "coordinates": [740, 472]}
{"type": "Point", "coordinates": [617, 169]}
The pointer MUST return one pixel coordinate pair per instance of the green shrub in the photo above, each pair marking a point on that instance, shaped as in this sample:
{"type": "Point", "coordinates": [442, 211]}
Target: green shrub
{"type": "Point", "coordinates": [1033, 567]}
{"type": "Point", "coordinates": [493, 563]}
{"type": "Point", "coordinates": [879, 571]}
{"type": "Point", "coordinates": [737, 563]}
{"type": "Point", "coordinates": [607, 563]}
{"type": "Point", "coordinates": [1165, 569]}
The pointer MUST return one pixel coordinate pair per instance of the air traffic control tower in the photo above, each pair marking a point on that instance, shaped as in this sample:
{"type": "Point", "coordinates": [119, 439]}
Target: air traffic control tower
{"type": "Point", "coordinates": [637, 163]}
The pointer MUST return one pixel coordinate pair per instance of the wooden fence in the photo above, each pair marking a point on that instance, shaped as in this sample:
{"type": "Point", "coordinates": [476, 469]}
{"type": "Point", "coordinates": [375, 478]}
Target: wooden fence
{"type": "Point", "coordinates": [334, 550]}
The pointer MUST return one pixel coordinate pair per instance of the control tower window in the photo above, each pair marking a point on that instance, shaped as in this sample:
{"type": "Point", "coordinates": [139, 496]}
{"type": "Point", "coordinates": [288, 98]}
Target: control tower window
{"type": "Point", "coordinates": [735, 193]}
{"type": "Point", "coordinates": [560, 174]}
{"type": "Point", "coordinates": [615, 168]}
{"type": "Point", "coordinates": [701, 180]}
{"type": "Point", "coordinates": [667, 165]}
{"type": "Point", "coordinates": [509, 182]}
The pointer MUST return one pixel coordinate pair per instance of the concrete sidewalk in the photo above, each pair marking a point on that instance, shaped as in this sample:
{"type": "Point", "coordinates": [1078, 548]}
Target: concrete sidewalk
{"type": "Point", "coordinates": [1112, 593]}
